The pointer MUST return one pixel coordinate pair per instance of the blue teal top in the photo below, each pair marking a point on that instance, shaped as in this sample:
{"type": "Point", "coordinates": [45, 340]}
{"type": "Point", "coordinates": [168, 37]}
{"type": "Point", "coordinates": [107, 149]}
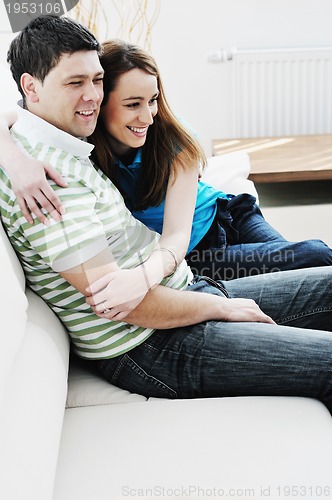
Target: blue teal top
{"type": "Point", "coordinates": [153, 217]}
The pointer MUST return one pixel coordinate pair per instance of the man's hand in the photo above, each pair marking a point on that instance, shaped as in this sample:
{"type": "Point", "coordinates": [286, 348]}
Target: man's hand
{"type": "Point", "coordinates": [243, 310]}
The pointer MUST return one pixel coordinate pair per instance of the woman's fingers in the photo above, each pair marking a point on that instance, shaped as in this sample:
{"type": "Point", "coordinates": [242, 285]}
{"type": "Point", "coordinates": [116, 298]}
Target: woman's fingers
{"type": "Point", "coordinates": [98, 285]}
{"type": "Point", "coordinates": [53, 174]}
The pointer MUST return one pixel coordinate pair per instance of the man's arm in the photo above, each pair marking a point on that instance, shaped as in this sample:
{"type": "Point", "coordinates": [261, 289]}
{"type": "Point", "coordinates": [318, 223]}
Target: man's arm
{"type": "Point", "coordinates": [83, 275]}
{"type": "Point", "coordinates": [164, 307]}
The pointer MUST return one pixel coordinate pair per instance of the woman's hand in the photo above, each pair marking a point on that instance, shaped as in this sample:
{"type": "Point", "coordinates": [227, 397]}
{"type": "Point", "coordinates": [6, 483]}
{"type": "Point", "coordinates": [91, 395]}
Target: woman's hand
{"type": "Point", "coordinates": [119, 292]}
{"type": "Point", "coordinates": [33, 191]}
{"type": "Point", "coordinates": [28, 176]}
{"type": "Point", "coordinates": [118, 313]}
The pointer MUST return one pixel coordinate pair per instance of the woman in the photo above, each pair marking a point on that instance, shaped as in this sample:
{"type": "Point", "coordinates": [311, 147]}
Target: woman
{"type": "Point", "coordinates": [155, 163]}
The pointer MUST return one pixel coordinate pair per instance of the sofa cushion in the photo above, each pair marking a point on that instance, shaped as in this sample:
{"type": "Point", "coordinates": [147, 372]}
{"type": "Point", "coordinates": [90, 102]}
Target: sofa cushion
{"type": "Point", "coordinates": [86, 388]}
{"type": "Point", "coordinates": [229, 173]}
{"type": "Point", "coordinates": [142, 450]}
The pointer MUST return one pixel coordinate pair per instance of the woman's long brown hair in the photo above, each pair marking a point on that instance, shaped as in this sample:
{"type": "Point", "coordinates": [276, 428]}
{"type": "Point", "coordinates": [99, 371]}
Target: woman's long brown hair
{"type": "Point", "coordinates": [166, 137]}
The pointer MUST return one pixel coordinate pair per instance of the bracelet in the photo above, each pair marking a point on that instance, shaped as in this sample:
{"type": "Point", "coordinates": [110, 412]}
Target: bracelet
{"type": "Point", "coordinates": [164, 249]}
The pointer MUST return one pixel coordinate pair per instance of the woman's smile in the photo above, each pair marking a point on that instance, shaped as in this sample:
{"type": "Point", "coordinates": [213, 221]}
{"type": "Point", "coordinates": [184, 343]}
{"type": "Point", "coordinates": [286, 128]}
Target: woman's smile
{"type": "Point", "coordinates": [138, 131]}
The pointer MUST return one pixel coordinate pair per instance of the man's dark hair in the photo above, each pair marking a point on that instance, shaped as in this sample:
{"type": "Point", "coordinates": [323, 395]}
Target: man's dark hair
{"type": "Point", "coordinates": [40, 45]}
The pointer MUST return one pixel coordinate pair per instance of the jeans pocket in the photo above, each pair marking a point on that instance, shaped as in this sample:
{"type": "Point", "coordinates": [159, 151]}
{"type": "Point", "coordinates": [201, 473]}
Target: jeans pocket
{"type": "Point", "coordinates": [132, 377]}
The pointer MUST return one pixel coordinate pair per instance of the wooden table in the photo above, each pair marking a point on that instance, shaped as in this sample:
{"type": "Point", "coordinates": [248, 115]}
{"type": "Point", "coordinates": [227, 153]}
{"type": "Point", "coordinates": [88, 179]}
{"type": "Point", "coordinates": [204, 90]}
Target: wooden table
{"type": "Point", "coordinates": [283, 159]}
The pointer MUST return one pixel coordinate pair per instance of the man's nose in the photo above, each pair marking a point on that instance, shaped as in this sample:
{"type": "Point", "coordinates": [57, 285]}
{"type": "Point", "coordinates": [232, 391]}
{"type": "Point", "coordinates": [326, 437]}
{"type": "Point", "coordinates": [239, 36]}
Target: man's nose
{"type": "Point", "coordinates": [91, 93]}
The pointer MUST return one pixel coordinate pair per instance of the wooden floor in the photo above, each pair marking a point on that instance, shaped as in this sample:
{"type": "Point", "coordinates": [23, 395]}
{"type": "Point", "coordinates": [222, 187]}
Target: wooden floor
{"type": "Point", "coordinates": [283, 159]}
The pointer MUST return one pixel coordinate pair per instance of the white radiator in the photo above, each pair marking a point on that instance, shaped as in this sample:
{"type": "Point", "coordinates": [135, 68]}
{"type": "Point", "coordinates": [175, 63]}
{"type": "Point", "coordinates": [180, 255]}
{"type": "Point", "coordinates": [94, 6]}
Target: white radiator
{"type": "Point", "coordinates": [281, 91]}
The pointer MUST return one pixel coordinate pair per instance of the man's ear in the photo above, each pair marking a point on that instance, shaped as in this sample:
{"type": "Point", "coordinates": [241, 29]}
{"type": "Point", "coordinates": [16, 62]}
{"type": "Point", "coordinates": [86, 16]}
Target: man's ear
{"type": "Point", "coordinates": [29, 86]}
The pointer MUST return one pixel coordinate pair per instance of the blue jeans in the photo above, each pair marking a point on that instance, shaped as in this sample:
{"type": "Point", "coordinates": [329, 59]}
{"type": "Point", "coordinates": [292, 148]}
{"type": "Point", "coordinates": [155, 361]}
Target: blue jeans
{"type": "Point", "coordinates": [241, 243]}
{"type": "Point", "coordinates": [215, 358]}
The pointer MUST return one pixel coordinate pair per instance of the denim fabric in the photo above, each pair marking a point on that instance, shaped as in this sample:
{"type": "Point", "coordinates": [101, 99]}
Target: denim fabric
{"type": "Point", "coordinates": [242, 243]}
{"type": "Point", "coordinates": [215, 358]}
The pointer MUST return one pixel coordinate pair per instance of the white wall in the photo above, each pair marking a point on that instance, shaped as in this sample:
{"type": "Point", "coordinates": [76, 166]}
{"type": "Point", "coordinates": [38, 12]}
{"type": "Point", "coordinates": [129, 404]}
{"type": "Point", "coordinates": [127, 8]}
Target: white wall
{"type": "Point", "coordinates": [8, 90]}
{"type": "Point", "coordinates": [186, 30]}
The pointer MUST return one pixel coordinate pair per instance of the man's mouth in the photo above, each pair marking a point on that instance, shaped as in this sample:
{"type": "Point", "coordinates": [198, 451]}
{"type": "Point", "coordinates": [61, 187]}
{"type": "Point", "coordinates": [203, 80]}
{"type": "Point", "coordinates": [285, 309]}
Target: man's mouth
{"type": "Point", "coordinates": [85, 113]}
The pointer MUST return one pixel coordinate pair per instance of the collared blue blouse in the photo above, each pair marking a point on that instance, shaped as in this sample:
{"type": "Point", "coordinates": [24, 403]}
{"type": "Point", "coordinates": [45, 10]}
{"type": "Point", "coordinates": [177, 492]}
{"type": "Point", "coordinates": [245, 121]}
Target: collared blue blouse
{"type": "Point", "coordinates": [153, 217]}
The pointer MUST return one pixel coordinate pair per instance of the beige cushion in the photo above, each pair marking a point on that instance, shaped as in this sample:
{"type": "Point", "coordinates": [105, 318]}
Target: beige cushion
{"type": "Point", "coordinates": [85, 388]}
{"type": "Point", "coordinates": [229, 173]}
{"type": "Point", "coordinates": [109, 451]}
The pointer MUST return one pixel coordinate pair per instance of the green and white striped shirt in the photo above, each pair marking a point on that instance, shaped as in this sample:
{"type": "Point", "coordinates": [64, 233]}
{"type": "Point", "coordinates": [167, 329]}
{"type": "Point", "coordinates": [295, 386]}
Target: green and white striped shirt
{"type": "Point", "coordinates": [96, 217]}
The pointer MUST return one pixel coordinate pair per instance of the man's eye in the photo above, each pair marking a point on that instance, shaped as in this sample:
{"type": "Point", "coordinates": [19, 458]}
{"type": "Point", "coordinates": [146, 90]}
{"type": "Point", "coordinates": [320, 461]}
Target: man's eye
{"type": "Point", "coordinates": [75, 83]}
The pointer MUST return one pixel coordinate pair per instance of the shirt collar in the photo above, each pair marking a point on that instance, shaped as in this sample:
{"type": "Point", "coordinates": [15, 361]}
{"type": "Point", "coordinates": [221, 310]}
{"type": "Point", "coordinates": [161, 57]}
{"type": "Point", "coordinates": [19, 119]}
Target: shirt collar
{"type": "Point", "coordinates": [38, 130]}
{"type": "Point", "coordinates": [137, 160]}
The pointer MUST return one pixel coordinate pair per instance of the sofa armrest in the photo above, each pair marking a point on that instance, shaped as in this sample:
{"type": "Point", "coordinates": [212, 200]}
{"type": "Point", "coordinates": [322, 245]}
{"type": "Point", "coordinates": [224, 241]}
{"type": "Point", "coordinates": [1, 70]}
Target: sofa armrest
{"type": "Point", "coordinates": [33, 406]}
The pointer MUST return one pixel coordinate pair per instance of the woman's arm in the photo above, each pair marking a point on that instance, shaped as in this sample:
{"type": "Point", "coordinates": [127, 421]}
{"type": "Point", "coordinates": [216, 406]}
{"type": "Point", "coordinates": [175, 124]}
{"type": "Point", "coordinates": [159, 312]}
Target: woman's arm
{"type": "Point", "coordinates": [180, 205]}
{"type": "Point", "coordinates": [125, 285]}
{"type": "Point", "coordinates": [28, 176]}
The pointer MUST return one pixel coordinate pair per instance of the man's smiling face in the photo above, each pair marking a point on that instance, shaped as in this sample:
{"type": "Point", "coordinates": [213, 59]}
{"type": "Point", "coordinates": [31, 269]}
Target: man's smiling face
{"type": "Point", "coordinates": [71, 94]}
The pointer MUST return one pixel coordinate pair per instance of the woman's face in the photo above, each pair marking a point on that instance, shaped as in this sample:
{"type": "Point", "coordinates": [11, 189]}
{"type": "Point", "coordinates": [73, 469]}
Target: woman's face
{"type": "Point", "coordinates": [130, 110]}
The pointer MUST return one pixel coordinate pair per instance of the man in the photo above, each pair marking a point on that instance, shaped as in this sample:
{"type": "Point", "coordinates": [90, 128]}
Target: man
{"type": "Point", "coordinates": [186, 337]}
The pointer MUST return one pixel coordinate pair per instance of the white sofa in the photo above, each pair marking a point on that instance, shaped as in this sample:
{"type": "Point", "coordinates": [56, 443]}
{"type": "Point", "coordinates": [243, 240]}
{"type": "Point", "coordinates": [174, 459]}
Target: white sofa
{"type": "Point", "coordinates": [79, 438]}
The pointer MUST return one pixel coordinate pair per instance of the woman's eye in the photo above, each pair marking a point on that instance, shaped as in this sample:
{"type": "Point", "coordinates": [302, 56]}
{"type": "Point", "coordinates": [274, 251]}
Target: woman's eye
{"type": "Point", "coordinates": [132, 105]}
{"type": "Point", "coordinates": [153, 101]}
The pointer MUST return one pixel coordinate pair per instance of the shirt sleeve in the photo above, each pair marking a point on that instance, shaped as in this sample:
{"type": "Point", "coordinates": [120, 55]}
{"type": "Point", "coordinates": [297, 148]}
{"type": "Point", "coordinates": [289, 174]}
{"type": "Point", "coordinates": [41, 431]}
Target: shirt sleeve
{"type": "Point", "coordinates": [77, 238]}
